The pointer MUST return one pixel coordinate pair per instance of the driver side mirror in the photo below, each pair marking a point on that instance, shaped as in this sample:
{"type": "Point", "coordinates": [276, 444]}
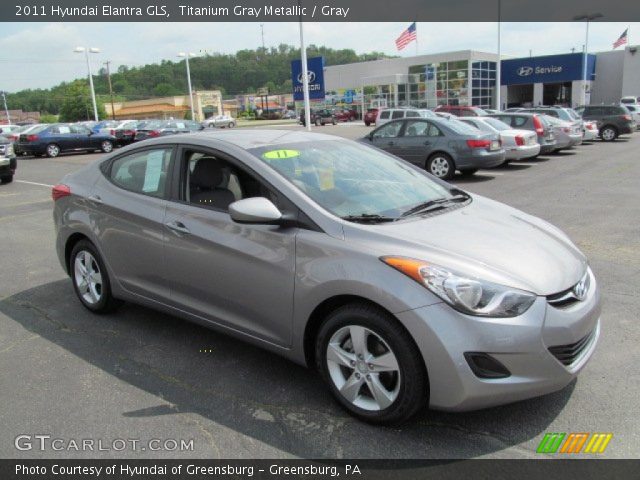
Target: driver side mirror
{"type": "Point", "coordinates": [256, 210]}
{"type": "Point", "coordinates": [370, 136]}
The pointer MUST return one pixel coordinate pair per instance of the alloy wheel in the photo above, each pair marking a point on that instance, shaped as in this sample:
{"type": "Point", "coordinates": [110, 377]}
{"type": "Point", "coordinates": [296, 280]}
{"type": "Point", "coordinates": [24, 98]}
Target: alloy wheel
{"type": "Point", "coordinates": [53, 150]}
{"type": "Point", "coordinates": [88, 277]}
{"type": "Point", "coordinates": [608, 134]}
{"type": "Point", "coordinates": [107, 146]}
{"type": "Point", "coordinates": [363, 368]}
{"type": "Point", "coordinates": [439, 167]}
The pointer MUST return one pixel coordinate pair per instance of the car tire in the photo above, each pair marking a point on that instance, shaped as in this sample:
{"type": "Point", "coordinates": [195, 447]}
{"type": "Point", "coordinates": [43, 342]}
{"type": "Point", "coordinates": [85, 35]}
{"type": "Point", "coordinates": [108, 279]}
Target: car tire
{"type": "Point", "coordinates": [334, 121]}
{"type": "Point", "coordinates": [94, 288]}
{"type": "Point", "coordinates": [441, 165]}
{"type": "Point", "coordinates": [400, 380]}
{"type": "Point", "coordinates": [6, 179]}
{"type": "Point", "coordinates": [467, 172]}
{"type": "Point", "coordinates": [52, 150]}
{"type": "Point", "coordinates": [231, 125]}
{"type": "Point", "coordinates": [106, 146]}
{"type": "Point", "coordinates": [608, 133]}
{"type": "Point", "coordinates": [367, 124]}
{"type": "Point", "coordinates": [318, 123]}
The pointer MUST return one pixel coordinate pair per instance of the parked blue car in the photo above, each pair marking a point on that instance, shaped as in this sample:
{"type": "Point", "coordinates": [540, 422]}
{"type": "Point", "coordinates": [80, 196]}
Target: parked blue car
{"type": "Point", "coordinates": [52, 140]}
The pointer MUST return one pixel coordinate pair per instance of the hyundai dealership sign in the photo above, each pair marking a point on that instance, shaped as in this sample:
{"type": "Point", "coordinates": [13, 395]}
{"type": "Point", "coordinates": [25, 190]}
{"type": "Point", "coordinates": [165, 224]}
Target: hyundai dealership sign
{"type": "Point", "coordinates": [315, 74]}
{"type": "Point", "coordinates": [547, 69]}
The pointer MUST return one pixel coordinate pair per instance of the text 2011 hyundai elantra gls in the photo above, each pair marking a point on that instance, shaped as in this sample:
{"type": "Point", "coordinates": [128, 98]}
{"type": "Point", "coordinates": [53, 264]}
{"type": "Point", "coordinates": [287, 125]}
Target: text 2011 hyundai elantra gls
{"type": "Point", "coordinates": [401, 289]}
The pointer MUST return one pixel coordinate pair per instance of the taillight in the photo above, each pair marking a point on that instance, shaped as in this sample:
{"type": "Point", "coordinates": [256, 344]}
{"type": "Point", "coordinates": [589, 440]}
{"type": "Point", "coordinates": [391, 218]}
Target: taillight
{"type": "Point", "coordinates": [32, 138]}
{"type": "Point", "coordinates": [112, 132]}
{"type": "Point", "coordinates": [626, 117]}
{"type": "Point", "coordinates": [479, 143]}
{"type": "Point", "coordinates": [537, 124]}
{"type": "Point", "coordinates": [591, 126]}
{"type": "Point", "coordinates": [59, 191]}
{"type": "Point", "coordinates": [519, 140]}
{"type": "Point", "coordinates": [154, 133]}
{"type": "Point", "coordinates": [129, 132]}
{"type": "Point", "coordinates": [566, 129]}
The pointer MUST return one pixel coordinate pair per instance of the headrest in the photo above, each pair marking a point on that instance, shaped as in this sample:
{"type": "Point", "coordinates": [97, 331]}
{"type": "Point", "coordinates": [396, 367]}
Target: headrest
{"type": "Point", "coordinates": [207, 173]}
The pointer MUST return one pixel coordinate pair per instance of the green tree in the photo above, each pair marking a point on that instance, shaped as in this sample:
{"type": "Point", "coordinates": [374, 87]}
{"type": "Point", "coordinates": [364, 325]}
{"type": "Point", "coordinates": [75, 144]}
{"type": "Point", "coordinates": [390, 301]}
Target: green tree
{"type": "Point", "coordinates": [77, 103]}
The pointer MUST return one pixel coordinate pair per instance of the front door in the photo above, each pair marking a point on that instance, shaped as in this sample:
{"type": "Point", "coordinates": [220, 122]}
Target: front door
{"type": "Point", "coordinates": [239, 276]}
{"type": "Point", "coordinates": [386, 137]}
{"type": "Point", "coordinates": [419, 139]}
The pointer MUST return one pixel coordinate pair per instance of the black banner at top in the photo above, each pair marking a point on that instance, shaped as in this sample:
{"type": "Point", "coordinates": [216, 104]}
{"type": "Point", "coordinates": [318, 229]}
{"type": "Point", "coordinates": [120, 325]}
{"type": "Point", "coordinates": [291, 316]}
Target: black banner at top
{"type": "Point", "coordinates": [316, 10]}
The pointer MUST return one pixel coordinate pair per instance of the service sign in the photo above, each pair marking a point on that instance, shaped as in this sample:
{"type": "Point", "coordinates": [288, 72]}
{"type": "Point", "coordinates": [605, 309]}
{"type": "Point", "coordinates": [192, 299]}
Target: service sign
{"type": "Point", "coordinates": [315, 74]}
{"type": "Point", "coordinates": [546, 69]}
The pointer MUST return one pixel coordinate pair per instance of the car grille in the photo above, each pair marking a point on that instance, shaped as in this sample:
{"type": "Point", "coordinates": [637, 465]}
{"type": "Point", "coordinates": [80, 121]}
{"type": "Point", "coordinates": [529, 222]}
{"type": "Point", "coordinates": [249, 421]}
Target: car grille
{"type": "Point", "coordinates": [569, 297]}
{"type": "Point", "coordinates": [568, 354]}
{"type": "Point", "coordinates": [3, 149]}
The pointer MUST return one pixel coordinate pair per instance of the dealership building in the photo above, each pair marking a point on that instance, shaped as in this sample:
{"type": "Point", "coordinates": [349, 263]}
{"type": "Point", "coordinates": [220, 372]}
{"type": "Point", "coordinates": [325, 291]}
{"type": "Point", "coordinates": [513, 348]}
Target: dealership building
{"type": "Point", "coordinates": [470, 78]}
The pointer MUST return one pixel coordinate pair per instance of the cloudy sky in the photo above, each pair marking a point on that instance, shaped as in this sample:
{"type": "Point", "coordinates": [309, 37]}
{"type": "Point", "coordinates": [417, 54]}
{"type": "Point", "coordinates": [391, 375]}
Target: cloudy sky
{"type": "Point", "coordinates": [34, 55]}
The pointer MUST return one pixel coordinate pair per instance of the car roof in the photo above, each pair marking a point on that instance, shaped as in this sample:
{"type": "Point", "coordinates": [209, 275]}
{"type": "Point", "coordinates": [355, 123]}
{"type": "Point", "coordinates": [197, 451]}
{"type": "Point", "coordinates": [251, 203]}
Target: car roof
{"type": "Point", "coordinates": [249, 138]}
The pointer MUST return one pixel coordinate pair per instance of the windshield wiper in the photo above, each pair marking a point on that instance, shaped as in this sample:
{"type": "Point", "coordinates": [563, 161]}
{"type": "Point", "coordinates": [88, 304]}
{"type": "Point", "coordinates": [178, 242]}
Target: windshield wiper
{"type": "Point", "coordinates": [368, 218]}
{"type": "Point", "coordinates": [436, 204]}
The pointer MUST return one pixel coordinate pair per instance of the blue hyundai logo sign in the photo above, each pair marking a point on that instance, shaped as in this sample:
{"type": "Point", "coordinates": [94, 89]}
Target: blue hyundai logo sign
{"type": "Point", "coordinates": [315, 77]}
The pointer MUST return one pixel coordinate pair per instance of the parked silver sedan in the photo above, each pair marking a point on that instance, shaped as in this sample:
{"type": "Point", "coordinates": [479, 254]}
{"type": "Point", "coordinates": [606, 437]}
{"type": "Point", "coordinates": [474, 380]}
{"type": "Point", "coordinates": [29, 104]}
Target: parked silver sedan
{"type": "Point", "coordinates": [517, 144]}
{"type": "Point", "coordinates": [568, 135]}
{"type": "Point", "coordinates": [401, 289]}
{"type": "Point", "coordinates": [220, 121]}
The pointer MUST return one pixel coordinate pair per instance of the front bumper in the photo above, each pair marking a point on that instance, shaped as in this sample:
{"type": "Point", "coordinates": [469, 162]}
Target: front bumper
{"type": "Point", "coordinates": [521, 344]}
{"type": "Point", "coordinates": [522, 152]}
{"type": "Point", "coordinates": [8, 165]}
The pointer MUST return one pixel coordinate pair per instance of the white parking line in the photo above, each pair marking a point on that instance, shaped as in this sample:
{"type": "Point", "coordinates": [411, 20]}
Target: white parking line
{"type": "Point", "coordinates": [34, 183]}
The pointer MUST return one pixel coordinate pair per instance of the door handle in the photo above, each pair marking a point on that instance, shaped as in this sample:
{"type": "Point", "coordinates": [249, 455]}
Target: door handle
{"type": "Point", "coordinates": [390, 144]}
{"type": "Point", "coordinates": [427, 143]}
{"type": "Point", "coordinates": [95, 199]}
{"type": "Point", "coordinates": [177, 226]}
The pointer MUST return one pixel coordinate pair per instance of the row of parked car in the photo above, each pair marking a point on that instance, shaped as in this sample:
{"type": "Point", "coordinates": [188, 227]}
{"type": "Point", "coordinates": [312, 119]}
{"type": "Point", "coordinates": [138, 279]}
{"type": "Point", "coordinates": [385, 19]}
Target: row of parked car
{"type": "Point", "coordinates": [466, 138]}
{"type": "Point", "coordinates": [55, 138]}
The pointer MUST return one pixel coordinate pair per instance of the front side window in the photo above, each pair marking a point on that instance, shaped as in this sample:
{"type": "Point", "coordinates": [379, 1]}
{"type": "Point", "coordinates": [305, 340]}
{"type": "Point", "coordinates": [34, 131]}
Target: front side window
{"type": "Point", "coordinates": [143, 172]}
{"type": "Point", "coordinates": [346, 178]}
{"type": "Point", "coordinates": [389, 130]}
{"type": "Point", "coordinates": [397, 114]}
{"type": "Point", "coordinates": [213, 182]}
{"type": "Point", "coordinates": [385, 114]}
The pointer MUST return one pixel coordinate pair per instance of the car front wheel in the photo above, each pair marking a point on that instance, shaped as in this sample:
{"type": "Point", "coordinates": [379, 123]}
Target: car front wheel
{"type": "Point", "coordinates": [441, 165]}
{"type": "Point", "coordinates": [371, 365]}
{"type": "Point", "coordinates": [6, 179]}
{"type": "Point", "coordinates": [90, 278]}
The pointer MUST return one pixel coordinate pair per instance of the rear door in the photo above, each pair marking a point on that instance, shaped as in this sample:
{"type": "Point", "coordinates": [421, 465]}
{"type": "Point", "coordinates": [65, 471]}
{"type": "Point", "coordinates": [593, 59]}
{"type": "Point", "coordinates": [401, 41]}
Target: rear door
{"type": "Point", "coordinates": [239, 276]}
{"type": "Point", "coordinates": [127, 208]}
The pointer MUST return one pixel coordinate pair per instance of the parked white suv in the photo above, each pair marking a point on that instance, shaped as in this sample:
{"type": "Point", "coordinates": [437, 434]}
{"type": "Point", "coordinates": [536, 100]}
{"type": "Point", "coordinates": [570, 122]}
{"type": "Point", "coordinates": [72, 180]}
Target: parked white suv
{"type": "Point", "coordinates": [388, 114]}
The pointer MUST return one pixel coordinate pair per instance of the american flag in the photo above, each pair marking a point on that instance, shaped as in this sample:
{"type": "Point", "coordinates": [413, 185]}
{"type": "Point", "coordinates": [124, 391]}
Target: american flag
{"type": "Point", "coordinates": [406, 37]}
{"type": "Point", "coordinates": [622, 40]}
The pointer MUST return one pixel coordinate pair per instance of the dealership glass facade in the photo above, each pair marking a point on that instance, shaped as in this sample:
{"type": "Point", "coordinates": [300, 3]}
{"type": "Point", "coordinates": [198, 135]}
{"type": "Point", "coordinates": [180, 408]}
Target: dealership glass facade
{"type": "Point", "coordinates": [483, 83]}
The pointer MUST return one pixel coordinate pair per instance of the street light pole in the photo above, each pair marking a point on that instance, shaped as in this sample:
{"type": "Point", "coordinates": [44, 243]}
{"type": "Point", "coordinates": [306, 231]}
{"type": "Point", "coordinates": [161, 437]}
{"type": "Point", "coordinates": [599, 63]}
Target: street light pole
{"type": "Point", "coordinates": [499, 62]}
{"type": "Point", "coordinates": [186, 55]}
{"type": "Point", "coordinates": [6, 110]}
{"type": "Point", "coordinates": [587, 18]}
{"type": "Point", "coordinates": [87, 51]}
{"type": "Point", "coordinates": [305, 80]}
{"type": "Point", "coordinates": [113, 112]}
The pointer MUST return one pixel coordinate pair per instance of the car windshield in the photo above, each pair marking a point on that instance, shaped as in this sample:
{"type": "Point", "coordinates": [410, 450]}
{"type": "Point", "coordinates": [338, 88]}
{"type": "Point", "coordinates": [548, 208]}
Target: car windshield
{"type": "Point", "coordinates": [497, 124]}
{"type": "Point", "coordinates": [480, 111]}
{"type": "Point", "coordinates": [573, 114]}
{"type": "Point", "coordinates": [349, 179]}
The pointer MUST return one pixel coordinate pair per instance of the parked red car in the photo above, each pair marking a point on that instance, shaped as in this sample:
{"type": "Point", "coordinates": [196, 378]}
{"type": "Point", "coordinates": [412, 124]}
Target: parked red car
{"type": "Point", "coordinates": [370, 116]}
{"type": "Point", "coordinates": [461, 110]}
{"type": "Point", "coordinates": [345, 115]}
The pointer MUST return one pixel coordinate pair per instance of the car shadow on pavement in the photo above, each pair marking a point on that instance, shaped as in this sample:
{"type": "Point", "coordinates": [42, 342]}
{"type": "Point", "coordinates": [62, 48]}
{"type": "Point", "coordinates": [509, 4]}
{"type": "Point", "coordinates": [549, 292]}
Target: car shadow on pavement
{"type": "Point", "coordinates": [253, 392]}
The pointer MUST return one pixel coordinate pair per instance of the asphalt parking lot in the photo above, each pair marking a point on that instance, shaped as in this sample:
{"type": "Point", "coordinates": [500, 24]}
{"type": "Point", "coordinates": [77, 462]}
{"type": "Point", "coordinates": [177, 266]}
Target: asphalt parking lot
{"type": "Point", "coordinates": [138, 374]}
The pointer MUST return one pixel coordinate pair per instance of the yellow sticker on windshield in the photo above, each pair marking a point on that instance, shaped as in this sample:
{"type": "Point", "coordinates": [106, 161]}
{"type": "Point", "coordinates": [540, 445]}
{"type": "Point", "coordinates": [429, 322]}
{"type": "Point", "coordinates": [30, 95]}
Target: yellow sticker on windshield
{"type": "Point", "coordinates": [278, 154]}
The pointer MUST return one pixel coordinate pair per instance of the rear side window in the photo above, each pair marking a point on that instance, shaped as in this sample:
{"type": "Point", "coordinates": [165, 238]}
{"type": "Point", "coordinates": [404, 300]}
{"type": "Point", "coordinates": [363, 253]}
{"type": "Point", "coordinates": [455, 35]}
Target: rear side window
{"type": "Point", "coordinates": [385, 114]}
{"type": "Point", "coordinates": [397, 114]}
{"type": "Point", "coordinates": [505, 119]}
{"type": "Point", "coordinates": [421, 129]}
{"type": "Point", "coordinates": [519, 121]}
{"type": "Point", "coordinates": [143, 172]}
{"type": "Point", "coordinates": [412, 114]}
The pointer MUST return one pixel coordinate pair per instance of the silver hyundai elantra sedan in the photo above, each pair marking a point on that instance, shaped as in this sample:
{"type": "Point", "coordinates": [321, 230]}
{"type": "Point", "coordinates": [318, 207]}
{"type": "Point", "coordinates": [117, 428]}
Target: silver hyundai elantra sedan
{"type": "Point", "coordinates": [401, 289]}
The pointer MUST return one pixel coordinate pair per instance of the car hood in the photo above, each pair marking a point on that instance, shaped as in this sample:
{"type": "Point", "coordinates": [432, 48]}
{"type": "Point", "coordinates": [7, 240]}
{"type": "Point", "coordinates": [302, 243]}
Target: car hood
{"type": "Point", "coordinates": [484, 239]}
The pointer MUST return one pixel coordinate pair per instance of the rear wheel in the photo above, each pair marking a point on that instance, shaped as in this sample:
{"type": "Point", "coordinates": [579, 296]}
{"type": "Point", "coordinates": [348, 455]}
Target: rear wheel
{"type": "Point", "coordinates": [231, 125]}
{"type": "Point", "coordinates": [106, 146]}
{"type": "Point", "coordinates": [318, 123]}
{"type": "Point", "coordinates": [441, 165]}
{"type": "Point", "coordinates": [367, 123]}
{"type": "Point", "coordinates": [53, 150]}
{"type": "Point", "coordinates": [609, 134]}
{"type": "Point", "coordinates": [334, 121]}
{"type": "Point", "coordinates": [90, 278]}
{"type": "Point", "coordinates": [371, 365]}
{"type": "Point", "coordinates": [6, 179]}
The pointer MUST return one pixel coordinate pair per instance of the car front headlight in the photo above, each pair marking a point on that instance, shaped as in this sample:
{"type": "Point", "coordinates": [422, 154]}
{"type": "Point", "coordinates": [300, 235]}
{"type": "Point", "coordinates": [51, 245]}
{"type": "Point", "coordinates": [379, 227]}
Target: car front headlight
{"type": "Point", "coordinates": [468, 295]}
{"type": "Point", "coordinates": [9, 151]}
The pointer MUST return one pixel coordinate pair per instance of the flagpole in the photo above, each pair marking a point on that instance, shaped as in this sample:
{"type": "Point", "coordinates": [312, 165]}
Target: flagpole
{"type": "Point", "coordinates": [416, 39]}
